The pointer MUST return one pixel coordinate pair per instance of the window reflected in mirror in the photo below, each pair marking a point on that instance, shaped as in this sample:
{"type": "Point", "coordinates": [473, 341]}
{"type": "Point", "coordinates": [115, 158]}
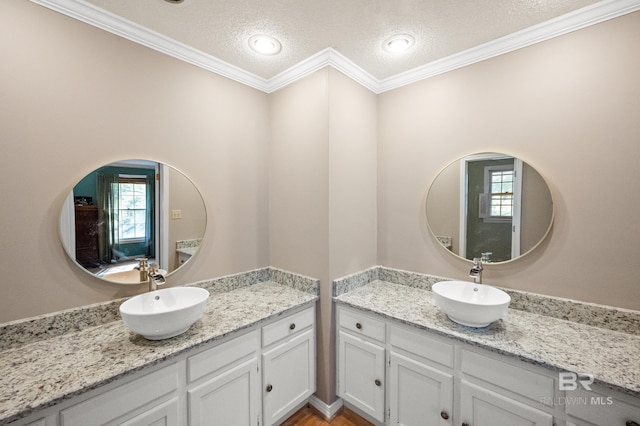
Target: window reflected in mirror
{"type": "Point", "coordinates": [129, 210]}
{"type": "Point", "coordinates": [489, 205]}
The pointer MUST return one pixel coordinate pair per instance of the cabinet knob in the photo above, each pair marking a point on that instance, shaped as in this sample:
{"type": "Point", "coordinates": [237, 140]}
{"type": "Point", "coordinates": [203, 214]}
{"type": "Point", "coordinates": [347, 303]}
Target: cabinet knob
{"type": "Point", "coordinates": [444, 415]}
{"type": "Point", "coordinates": [631, 423]}
{"type": "Point", "coordinates": [358, 326]}
{"type": "Point", "coordinates": [292, 326]}
{"type": "Point", "coordinates": [269, 388]}
{"type": "Point", "coordinates": [378, 382]}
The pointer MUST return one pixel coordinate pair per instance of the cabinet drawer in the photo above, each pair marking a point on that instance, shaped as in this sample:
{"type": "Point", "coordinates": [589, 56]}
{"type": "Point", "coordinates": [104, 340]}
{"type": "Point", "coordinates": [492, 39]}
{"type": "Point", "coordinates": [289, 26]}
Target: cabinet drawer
{"type": "Point", "coordinates": [287, 326]}
{"type": "Point", "coordinates": [422, 345]}
{"type": "Point", "coordinates": [362, 324]}
{"type": "Point", "coordinates": [537, 387]}
{"type": "Point", "coordinates": [601, 408]}
{"type": "Point", "coordinates": [221, 356]}
{"type": "Point", "coordinates": [122, 400]}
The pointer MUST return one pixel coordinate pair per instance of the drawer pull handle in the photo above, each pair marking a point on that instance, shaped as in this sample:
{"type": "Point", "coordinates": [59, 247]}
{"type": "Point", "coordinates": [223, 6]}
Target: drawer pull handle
{"type": "Point", "coordinates": [292, 326]}
{"type": "Point", "coordinates": [378, 382]}
{"type": "Point", "coordinates": [631, 423]}
{"type": "Point", "coordinates": [359, 326]}
{"type": "Point", "coordinates": [269, 388]}
{"type": "Point", "coordinates": [444, 415]}
{"type": "Point", "coordinates": [465, 424]}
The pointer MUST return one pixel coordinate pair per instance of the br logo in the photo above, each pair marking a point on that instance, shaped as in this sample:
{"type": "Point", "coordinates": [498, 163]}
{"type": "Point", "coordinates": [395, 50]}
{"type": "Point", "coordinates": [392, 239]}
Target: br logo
{"type": "Point", "coordinates": [570, 381]}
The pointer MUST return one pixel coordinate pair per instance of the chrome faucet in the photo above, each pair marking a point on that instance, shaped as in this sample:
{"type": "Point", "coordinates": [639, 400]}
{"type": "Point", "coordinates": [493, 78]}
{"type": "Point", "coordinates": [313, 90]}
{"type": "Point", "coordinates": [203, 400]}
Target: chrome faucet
{"type": "Point", "coordinates": [155, 278]}
{"type": "Point", "coordinates": [476, 270]}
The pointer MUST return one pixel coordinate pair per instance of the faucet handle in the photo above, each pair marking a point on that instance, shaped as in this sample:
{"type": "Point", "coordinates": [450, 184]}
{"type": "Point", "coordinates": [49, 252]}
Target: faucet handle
{"type": "Point", "coordinates": [153, 269]}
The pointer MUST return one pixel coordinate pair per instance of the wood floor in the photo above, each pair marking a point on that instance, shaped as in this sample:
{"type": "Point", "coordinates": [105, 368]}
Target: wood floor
{"type": "Point", "coordinates": [308, 416]}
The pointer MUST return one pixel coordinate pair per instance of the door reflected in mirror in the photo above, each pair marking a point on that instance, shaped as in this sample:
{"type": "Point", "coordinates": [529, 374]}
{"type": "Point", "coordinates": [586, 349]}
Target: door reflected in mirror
{"type": "Point", "coordinates": [128, 210]}
{"type": "Point", "coordinates": [490, 205]}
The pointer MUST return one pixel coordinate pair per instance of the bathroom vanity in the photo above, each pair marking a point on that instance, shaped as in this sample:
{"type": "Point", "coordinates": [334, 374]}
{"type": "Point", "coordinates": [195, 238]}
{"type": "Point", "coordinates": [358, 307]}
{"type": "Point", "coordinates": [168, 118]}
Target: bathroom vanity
{"type": "Point", "coordinates": [400, 361]}
{"type": "Point", "coordinates": [249, 360]}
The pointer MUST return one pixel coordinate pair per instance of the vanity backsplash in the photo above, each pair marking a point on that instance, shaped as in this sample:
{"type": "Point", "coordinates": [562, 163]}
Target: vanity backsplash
{"type": "Point", "coordinates": [21, 332]}
{"type": "Point", "coordinates": [607, 317]}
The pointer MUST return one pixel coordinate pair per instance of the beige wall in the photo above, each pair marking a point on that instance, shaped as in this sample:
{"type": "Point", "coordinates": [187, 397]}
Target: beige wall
{"type": "Point", "coordinates": [73, 98]}
{"type": "Point", "coordinates": [537, 209]}
{"type": "Point", "coordinates": [184, 196]}
{"type": "Point", "coordinates": [295, 179]}
{"type": "Point", "coordinates": [570, 108]}
{"type": "Point", "coordinates": [323, 191]}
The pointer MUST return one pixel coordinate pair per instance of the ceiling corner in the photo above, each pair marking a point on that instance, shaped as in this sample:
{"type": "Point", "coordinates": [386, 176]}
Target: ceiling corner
{"type": "Point", "coordinates": [581, 18]}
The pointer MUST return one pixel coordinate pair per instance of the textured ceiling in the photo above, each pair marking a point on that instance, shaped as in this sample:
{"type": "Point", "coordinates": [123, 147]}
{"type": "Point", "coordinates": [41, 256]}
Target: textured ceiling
{"type": "Point", "coordinates": [355, 28]}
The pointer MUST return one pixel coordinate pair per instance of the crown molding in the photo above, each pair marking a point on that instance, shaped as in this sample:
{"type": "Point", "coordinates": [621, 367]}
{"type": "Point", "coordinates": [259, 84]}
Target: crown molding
{"type": "Point", "coordinates": [93, 15]}
{"type": "Point", "coordinates": [327, 57]}
{"type": "Point", "coordinates": [581, 18]}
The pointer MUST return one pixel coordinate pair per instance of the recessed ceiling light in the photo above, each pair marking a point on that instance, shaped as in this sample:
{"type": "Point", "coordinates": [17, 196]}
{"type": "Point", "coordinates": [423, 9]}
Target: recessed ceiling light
{"type": "Point", "coordinates": [398, 43]}
{"type": "Point", "coordinates": [265, 44]}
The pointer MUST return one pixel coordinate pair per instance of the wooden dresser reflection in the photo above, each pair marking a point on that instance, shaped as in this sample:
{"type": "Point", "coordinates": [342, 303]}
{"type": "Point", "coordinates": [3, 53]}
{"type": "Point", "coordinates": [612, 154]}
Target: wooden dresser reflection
{"type": "Point", "coordinates": [87, 236]}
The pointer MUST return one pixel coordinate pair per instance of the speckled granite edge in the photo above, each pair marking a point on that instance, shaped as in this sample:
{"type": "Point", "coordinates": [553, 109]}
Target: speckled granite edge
{"type": "Point", "coordinates": [194, 243]}
{"type": "Point", "coordinates": [548, 342]}
{"type": "Point", "coordinates": [296, 281]}
{"type": "Point", "coordinates": [602, 316]}
{"type": "Point", "coordinates": [49, 371]}
{"type": "Point", "coordinates": [24, 331]}
{"type": "Point", "coordinates": [354, 281]}
{"type": "Point", "coordinates": [234, 281]}
{"type": "Point", "coordinates": [243, 279]}
{"type": "Point", "coordinates": [381, 273]}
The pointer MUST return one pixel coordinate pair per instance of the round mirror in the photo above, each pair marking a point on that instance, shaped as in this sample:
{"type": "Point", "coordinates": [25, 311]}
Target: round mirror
{"type": "Point", "coordinates": [491, 206]}
{"type": "Point", "coordinates": [131, 210]}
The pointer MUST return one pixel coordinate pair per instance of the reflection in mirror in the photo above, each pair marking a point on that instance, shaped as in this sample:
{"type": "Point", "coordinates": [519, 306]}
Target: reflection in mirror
{"type": "Point", "coordinates": [491, 206]}
{"type": "Point", "coordinates": [129, 210]}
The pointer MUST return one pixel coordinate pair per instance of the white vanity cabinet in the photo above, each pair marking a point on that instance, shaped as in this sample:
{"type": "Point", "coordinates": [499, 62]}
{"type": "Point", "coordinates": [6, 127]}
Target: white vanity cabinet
{"type": "Point", "coordinates": [496, 392]}
{"type": "Point", "coordinates": [288, 365]}
{"type": "Point", "coordinates": [426, 378]}
{"type": "Point", "coordinates": [149, 400]}
{"type": "Point", "coordinates": [254, 377]}
{"type": "Point", "coordinates": [599, 407]}
{"type": "Point", "coordinates": [482, 407]}
{"type": "Point", "coordinates": [361, 373]}
{"type": "Point", "coordinates": [420, 379]}
{"type": "Point", "coordinates": [224, 384]}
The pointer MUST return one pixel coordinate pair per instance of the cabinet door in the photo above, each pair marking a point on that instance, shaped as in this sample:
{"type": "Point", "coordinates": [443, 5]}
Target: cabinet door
{"type": "Point", "coordinates": [231, 398]}
{"type": "Point", "coordinates": [361, 374]}
{"type": "Point", "coordinates": [289, 376]}
{"type": "Point", "coordinates": [162, 415]}
{"type": "Point", "coordinates": [419, 394]}
{"type": "Point", "coordinates": [600, 407]}
{"type": "Point", "coordinates": [482, 407]}
{"type": "Point", "coordinates": [125, 402]}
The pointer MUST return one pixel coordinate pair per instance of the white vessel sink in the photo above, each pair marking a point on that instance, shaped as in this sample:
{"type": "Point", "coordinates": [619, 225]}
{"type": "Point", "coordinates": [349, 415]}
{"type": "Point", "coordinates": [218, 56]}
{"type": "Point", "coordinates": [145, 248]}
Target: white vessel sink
{"type": "Point", "coordinates": [470, 304]}
{"type": "Point", "coordinates": [165, 313]}
{"type": "Point", "coordinates": [127, 277]}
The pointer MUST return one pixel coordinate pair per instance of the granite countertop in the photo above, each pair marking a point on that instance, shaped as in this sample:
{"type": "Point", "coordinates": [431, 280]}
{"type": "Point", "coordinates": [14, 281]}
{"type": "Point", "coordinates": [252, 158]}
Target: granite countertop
{"type": "Point", "coordinates": [561, 345]}
{"type": "Point", "coordinates": [189, 251]}
{"type": "Point", "coordinates": [44, 372]}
